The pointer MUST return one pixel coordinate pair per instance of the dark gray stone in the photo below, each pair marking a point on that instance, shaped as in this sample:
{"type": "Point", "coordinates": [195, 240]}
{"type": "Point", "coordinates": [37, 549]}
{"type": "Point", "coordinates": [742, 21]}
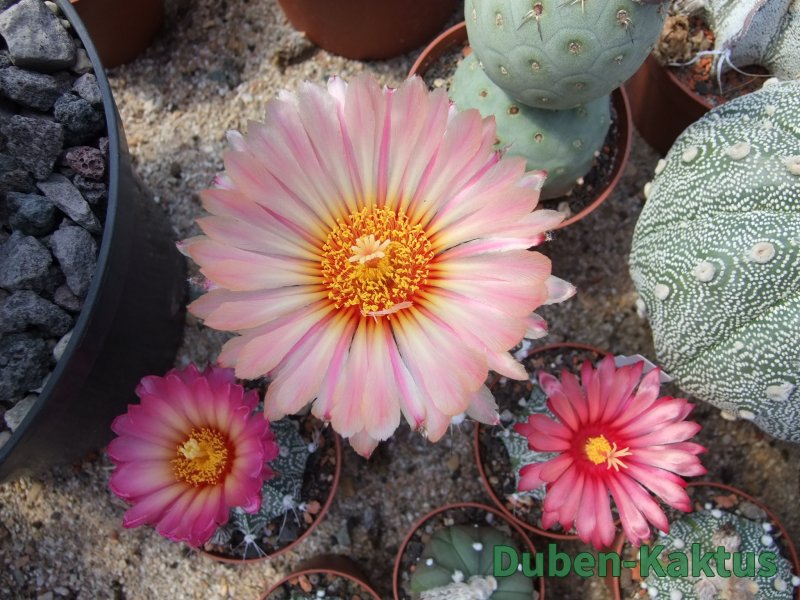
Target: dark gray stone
{"type": "Point", "coordinates": [64, 297]}
{"type": "Point", "coordinates": [13, 178]}
{"type": "Point", "coordinates": [86, 161]}
{"type": "Point", "coordinates": [80, 119]}
{"type": "Point", "coordinates": [5, 59]}
{"type": "Point", "coordinates": [35, 37]}
{"type": "Point", "coordinates": [61, 192]}
{"type": "Point", "coordinates": [24, 263]}
{"type": "Point", "coordinates": [31, 214]}
{"type": "Point", "coordinates": [34, 143]}
{"type": "Point", "coordinates": [76, 252]}
{"type": "Point", "coordinates": [34, 90]}
{"type": "Point", "coordinates": [92, 191]}
{"type": "Point", "coordinates": [25, 309]}
{"type": "Point", "coordinates": [24, 363]}
{"type": "Point", "coordinates": [86, 87]}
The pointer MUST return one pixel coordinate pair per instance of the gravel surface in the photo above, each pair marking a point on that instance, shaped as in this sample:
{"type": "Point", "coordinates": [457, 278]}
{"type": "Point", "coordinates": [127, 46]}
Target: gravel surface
{"type": "Point", "coordinates": [212, 69]}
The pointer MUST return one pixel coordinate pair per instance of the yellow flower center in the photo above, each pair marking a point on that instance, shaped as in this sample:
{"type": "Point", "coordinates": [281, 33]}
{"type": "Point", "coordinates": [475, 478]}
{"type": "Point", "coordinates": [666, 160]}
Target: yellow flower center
{"type": "Point", "coordinates": [375, 260]}
{"type": "Point", "coordinates": [202, 459]}
{"type": "Point", "coordinates": [599, 451]}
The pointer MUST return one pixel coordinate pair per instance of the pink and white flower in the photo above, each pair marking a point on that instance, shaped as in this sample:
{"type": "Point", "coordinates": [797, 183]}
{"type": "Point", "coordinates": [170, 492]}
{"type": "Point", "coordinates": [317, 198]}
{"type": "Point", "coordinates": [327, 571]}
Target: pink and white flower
{"type": "Point", "coordinates": [370, 249]}
{"type": "Point", "coordinates": [191, 450]}
{"type": "Point", "coordinates": [611, 438]}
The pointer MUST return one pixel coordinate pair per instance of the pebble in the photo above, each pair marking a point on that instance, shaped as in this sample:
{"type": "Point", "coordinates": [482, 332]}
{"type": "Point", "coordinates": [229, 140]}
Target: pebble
{"type": "Point", "coordinates": [34, 143]}
{"type": "Point", "coordinates": [31, 214]}
{"type": "Point", "coordinates": [61, 192]}
{"type": "Point", "coordinates": [34, 90]}
{"type": "Point", "coordinates": [25, 309]}
{"type": "Point", "coordinates": [17, 413]}
{"type": "Point", "coordinates": [25, 360]}
{"type": "Point", "coordinates": [76, 252]}
{"type": "Point", "coordinates": [86, 87]}
{"type": "Point", "coordinates": [64, 297]}
{"type": "Point", "coordinates": [13, 177]}
{"type": "Point", "coordinates": [81, 121]}
{"type": "Point", "coordinates": [24, 263]}
{"type": "Point", "coordinates": [61, 346]}
{"type": "Point", "coordinates": [35, 37]}
{"type": "Point", "coordinates": [92, 191]}
{"type": "Point", "coordinates": [82, 62]}
{"type": "Point", "coordinates": [86, 161]}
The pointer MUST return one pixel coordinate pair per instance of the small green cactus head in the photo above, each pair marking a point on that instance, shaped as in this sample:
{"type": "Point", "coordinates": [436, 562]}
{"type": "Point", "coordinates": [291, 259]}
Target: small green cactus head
{"type": "Point", "coordinates": [557, 54]}
{"type": "Point", "coordinates": [459, 560]}
{"type": "Point", "coordinates": [561, 142]}
{"type": "Point", "coordinates": [742, 571]}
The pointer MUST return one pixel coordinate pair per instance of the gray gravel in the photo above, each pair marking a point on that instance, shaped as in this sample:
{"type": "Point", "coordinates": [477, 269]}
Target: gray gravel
{"type": "Point", "coordinates": [213, 69]}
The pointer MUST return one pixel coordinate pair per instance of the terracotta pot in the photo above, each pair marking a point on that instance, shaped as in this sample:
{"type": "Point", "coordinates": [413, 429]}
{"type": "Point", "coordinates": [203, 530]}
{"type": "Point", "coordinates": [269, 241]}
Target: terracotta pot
{"type": "Point", "coordinates": [614, 582]}
{"type": "Point", "coordinates": [327, 564]}
{"type": "Point", "coordinates": [459, 505]}
{"type": "Point", "coordinates": [318, 518]}
{"type": "Point", "coordinates": [131, 322]}
{"type": "Point", "coordinates": [661, 106]}
{"type": "Point", "coordinates": [479, 458]}
{"type": "Point", "coordinates": [456, 37]}
{"type": "Point", "coordinates": [368, 29]}
{"type": "Point", "coordinates": [120, 29]}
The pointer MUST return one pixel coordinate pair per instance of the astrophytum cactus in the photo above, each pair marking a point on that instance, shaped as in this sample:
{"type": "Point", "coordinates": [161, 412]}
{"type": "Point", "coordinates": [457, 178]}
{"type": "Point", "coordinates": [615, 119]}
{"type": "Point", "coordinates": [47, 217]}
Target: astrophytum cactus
{"type": "Point", "coordinates": [716, 259]}
{"type": "Point", "coordinates": [558, 54]}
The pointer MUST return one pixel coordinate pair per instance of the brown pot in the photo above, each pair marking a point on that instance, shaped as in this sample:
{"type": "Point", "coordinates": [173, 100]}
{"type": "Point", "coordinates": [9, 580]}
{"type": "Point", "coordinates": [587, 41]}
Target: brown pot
{"type": "Point", "coordinates": [614, 582]}
{"type": "Point", "coordinates": [479, 458]}
{"type": "Point", "coordinates": [661, 106]}
{"type": "Point", "coordinates": [120, 29]}
{"type": "Point", "coordinates": [327, 564]}
{"type": "Point", "coordinates": [460, 505]}
{"type": "Point", "coordinates": [368, 29]}
{"type": "Point", "coordinates": [457, 36]}
{"type": "Point", "coordinates": [318, 518]}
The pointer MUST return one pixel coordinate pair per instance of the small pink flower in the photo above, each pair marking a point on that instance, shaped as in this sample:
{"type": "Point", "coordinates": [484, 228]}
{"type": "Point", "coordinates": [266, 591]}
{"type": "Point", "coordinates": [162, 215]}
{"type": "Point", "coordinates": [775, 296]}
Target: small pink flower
{"type": "Point", "coordinates": [611, 439]}
{"type": "Point", "coordinates": [190, 451]}
{"type": "Point", "coordinates": [370, 248]}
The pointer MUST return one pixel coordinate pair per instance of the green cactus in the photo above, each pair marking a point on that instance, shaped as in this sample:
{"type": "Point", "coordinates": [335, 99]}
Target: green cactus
{"type": "Point", "coordinates": [716, 259]}
{"type": "Point", "coordinates": [706, 531]}
{"type": "Point", "coordinates": [459, 559]}
{"type": "Point", "coordinates": [557, 54]}
{"type": "Point", "coordinates": [561, 142]}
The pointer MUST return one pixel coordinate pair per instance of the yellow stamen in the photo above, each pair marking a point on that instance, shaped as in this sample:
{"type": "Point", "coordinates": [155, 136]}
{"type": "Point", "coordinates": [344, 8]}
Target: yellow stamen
{"type": "Point", "coordinates": [375, 260]}
{"type": "Point", "coordinates": [202, 459]}
{"type": "Point", "coordinates": [599, 451]}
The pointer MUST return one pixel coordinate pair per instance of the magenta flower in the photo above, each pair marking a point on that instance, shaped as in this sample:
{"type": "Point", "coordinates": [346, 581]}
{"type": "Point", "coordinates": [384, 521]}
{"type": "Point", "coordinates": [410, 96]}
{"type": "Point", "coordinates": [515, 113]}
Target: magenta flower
{"type": "Point", "coordinates": [370, 248]}
{"type": "Point", "coordinates": [611, 439]}
{"type": "Point", "coordinates": [189, 452]}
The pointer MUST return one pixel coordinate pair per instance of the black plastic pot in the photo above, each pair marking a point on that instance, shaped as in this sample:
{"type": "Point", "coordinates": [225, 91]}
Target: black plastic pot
{"type": "Point", "coordinates": [131, 321]}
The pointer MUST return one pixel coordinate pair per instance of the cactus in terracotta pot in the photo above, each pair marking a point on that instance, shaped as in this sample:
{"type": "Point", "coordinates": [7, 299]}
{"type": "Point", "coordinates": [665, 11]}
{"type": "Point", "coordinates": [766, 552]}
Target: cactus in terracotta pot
{"type": "Point", "coordinates": [716, 259]}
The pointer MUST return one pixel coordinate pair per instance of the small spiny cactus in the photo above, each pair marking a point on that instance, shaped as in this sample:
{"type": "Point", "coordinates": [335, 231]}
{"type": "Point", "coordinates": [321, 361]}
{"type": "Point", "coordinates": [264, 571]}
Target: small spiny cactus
{"type": "Point", "coordinates": [457, 564]}
{"type": "Point", "coordinates": [562, 142]}
{"type": "Point", "coordinates": [558, 54]}
{"type": "Point", "coordinates": [716, 259]}
{"type": "Point", "coordinates": [708, 530]}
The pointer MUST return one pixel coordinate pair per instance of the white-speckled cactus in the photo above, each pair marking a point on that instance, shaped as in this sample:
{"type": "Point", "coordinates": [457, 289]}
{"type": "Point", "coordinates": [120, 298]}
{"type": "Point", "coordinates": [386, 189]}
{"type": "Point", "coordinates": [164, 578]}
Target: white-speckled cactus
{"type": "Point", "coordinates": [458, 562]}
{"type": "Point", "coordinates": [716, 259]}
{"type": "Point", "coordinates": [562, 142]}
{"type": "Point", "coordinates": [748, 545]}
{"type": "Point", "coordinates": [558, 54]}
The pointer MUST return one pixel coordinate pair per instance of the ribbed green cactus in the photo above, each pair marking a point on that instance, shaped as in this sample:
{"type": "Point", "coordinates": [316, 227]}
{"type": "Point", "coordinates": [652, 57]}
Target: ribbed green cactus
{"type": "Point", "coordinates": [716, 259]}
{"type": "Point", "coordinates": [562, 142]}
{"type": "Point", "coordinates": [705, 532]}
{"type": "Point", "coordinates": [459, 559]}
{"type": "Point", "coordinates": [557, 54]}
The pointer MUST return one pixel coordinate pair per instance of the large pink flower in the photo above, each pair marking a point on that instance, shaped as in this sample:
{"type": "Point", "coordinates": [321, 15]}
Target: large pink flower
{"type": "Point", "coordinates": [611, 439]}
{"type": "Point", "coordinates": [189, 452]}
{"type": "Point", "coordinates": [370, 248]}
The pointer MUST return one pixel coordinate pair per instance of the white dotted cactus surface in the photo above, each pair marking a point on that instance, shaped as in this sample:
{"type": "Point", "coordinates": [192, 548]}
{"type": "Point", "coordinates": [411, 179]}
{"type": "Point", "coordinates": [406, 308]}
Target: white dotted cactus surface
{"type": "Point", "coordinates": [747, 542]}
{"type": "Point", "coordinates": [562, 142]}
{"type": "Point", "coordinates": [716, 259]}
{"type": "Point", "coordinates": [558, 54]}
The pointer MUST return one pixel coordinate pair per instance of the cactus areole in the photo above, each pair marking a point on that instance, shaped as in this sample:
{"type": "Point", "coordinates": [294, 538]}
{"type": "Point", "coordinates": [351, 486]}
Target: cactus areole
{"type": "Point", "coordinates": [716, 259]}
{"type": "Point", "coordinates": [557, 54]}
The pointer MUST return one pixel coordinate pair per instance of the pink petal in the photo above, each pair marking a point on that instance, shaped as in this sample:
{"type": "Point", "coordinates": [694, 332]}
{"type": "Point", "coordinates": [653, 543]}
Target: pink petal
{"type": "Point", "coordinates": [362, 443]}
